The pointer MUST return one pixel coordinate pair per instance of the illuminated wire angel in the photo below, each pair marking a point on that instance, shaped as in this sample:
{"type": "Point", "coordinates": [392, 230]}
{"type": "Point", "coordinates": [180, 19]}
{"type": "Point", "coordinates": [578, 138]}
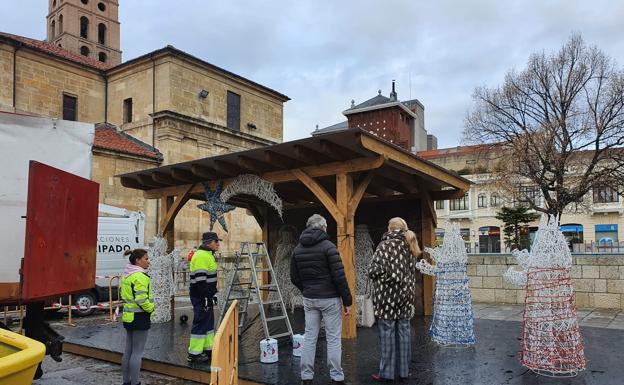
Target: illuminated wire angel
{"type": "Point", "coordinates": [551, 340]}
{"type": "Point", "coordinates": [452, 321]}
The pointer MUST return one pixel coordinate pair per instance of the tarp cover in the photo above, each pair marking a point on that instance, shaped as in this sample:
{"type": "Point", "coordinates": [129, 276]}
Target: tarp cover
{"type": "Point", "coordinates": [59, 143]}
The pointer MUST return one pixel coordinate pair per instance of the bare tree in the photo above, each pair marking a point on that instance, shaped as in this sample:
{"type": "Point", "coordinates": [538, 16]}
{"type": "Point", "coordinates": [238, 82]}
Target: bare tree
{"type": "Point", "coordinates": [559, 125]}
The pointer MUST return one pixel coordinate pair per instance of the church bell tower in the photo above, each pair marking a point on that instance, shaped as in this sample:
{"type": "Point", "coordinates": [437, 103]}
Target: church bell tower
{"type": "Point", "coordinates": [86, 27]}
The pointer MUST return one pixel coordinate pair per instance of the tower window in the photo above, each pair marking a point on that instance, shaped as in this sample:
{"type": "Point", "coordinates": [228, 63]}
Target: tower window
{"type": "Point", "coordinates": [102, 7]}
{"type": "Point", "coordinates": [84, 27]}
{"type": "Point", "coordinates": [102, 57]}
{"type": "Point", "coordinates": [85, 2]}
{"type": "Point", "coordinates": [84, 50]}
{"type": "Point", "coordinates": [69, 107]}
{"type": "Point", "coordinates": [233, 111]}
{"type": "Point", "coordinates": [54, 4]}
{"type": "Point", "coordinates": [60, 27]}
{"type": "Point", "coordinates": [102, 33]}
{"type": "Point", "coordinates": [127, 110]}
{"type": "Point", "coordinates": [52, 30]}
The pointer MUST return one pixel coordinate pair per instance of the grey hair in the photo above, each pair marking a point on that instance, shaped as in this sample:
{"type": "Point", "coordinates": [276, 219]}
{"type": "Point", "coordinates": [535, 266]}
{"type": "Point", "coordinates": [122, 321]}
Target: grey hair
{"type": "Point", "coordinates": [317, 222]}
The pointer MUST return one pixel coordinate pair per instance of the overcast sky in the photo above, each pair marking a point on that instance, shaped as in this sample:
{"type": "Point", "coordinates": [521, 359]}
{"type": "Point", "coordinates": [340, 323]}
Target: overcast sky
{"type": "Point", "coordinates": [322, 54]}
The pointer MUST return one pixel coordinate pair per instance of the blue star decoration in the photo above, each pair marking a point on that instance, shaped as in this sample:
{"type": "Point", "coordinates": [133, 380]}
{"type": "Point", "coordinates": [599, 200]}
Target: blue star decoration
{"type": "Point", "coordinates": [215, 206]}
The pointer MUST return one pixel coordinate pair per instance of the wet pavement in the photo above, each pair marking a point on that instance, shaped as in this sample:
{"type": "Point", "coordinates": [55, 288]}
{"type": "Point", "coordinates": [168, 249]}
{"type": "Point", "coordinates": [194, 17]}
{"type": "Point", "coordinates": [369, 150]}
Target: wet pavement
{"type": "Point", "coordinates": [493, 360]}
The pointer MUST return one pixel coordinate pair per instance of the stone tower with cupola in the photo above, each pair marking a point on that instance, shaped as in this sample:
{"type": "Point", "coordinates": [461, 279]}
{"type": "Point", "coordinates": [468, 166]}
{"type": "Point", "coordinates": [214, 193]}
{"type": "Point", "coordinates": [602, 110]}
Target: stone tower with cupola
{"type": "Point", "coordinates": [86, 27]}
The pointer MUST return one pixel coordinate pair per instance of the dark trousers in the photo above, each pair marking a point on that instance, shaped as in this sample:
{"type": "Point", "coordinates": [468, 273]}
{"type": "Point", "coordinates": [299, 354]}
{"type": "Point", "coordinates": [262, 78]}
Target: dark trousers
{"type": "Point", "coordinates": [202, 332]}
{"type": "Point", "coordinates": [394, 337]}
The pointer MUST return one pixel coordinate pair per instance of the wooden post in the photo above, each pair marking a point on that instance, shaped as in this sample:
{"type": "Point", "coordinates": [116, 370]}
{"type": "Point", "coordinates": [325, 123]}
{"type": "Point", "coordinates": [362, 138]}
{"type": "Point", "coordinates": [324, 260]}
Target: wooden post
{"type": "Point", "coordinates": [428, 239]}
{"type": "Point", "coordinates": [346, 245]}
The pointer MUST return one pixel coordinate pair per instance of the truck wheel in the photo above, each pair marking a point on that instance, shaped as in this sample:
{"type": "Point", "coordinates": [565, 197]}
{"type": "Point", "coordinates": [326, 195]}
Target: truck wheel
{"type": "Point", "coordinates": [83, 302]}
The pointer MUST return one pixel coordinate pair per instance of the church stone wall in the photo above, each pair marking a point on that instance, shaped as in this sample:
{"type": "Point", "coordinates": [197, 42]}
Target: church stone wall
{"type": "Point", "coordinates": [6, 78]}
{"type": "Point", "coordinates": [41, 83]}
{"type": "Point", "coordinates": [262, 109]}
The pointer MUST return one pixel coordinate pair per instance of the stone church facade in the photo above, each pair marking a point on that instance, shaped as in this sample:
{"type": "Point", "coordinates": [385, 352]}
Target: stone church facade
{"type": "Point", "coordinates": [163, 107]}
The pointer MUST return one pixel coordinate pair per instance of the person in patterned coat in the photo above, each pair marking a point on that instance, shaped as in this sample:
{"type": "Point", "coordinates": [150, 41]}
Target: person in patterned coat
{"type": "Point", "coordinates": [393, 276]}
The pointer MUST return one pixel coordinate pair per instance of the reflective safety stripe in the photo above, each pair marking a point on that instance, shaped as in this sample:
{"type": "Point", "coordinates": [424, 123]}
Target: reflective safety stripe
{"type": "Point", "coordinates": [139, 292]}
{"type": "Point", "coordinates": [200, 279]}
{"type": "Point", "coordinates": [200, 336]}
{"type": "Point", "coordinates": [201, 271]}
{"type": "Point", "coordinates": [140, 301]}
{"type": "Point", "coordinates": [134, 310]}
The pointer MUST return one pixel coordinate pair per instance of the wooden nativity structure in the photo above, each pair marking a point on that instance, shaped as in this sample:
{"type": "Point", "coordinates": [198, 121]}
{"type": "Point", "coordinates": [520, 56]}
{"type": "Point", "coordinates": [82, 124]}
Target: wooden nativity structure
{"type": "Point", "coordinates": [349, 177]}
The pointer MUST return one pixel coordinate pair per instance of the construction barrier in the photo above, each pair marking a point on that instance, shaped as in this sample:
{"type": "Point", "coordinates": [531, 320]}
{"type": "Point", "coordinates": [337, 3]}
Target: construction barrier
{"type": "Point", "coordinates": [224, 365]}
{"type": "Point", "coordinates": [112, 305]}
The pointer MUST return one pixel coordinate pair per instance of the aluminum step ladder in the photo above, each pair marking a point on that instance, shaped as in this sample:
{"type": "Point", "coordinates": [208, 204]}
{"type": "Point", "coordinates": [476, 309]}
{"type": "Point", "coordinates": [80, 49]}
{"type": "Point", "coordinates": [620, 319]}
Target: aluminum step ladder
{"type": "Point", "coordinates": [244, 286]}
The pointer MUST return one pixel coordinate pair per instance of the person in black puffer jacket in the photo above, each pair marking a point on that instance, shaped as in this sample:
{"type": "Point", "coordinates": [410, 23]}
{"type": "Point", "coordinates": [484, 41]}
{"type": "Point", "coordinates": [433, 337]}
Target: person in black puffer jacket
{"type": "Point", "coordinates": [316, 269]}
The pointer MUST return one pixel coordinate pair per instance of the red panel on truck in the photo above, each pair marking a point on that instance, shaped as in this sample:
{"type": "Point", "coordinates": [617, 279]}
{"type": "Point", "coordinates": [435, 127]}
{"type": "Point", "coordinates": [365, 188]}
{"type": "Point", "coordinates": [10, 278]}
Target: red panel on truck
{"type": "Point", "coordinates": [61, 233]}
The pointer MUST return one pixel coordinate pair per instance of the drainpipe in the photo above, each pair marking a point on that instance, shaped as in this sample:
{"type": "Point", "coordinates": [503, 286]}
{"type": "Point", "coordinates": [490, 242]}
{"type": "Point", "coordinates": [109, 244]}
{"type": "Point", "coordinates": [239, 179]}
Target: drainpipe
{"type": "Point", "coordinates": [154, 135]}
{"type": "Point", "coordinates": [15, 49]}
{"type": "Point", "coordinates": [105, 98]}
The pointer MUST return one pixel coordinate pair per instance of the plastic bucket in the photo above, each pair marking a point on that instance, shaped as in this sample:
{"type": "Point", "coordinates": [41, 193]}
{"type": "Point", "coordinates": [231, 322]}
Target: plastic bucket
{"type": "Point", "coordinates": [19, 357]}
{"type": "Point", "coordinates": [268, 351]}
{"type": "Point", "coordinates": [297, 344]}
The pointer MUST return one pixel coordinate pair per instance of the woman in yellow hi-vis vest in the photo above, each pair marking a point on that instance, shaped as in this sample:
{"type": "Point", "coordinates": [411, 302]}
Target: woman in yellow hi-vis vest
{"type": "Point", "coordinates": [202, 290]}
{"type": "Point", "coordinates": [138, 305]}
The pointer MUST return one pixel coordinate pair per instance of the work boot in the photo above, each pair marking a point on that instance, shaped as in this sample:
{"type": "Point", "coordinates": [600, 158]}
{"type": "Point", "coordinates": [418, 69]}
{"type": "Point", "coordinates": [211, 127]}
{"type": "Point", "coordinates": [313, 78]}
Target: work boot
{"type": "Point", "coordinates": [306, 382]}
{"type": "Point", "coordinates": [197, 358]}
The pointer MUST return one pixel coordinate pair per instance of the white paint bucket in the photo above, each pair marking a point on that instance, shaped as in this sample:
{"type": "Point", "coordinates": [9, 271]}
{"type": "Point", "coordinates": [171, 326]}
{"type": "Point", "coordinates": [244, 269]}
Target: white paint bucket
{"type": "Point", "coordinates": [268, 351]}
{"type": "Point", "coordinates": [297, 344]}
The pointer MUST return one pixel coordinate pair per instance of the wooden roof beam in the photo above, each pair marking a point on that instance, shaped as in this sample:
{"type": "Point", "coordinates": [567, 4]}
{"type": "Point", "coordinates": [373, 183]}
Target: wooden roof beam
{"type": "Point", "coordinates": [132, 183]}
{"type": "Point", "coordinates": [309, 156]}
{"type": "Point", "coordinates": [182, 175]}
{"type": "Point", "coordinates": [161, 177]}
{"type": "Point", "coordinates": [203, 172]}
{"type": "Point", "coordinates": [146, 180]}
{"type": "Point", "coordinates": [419, 165]}
{"type": "Point", "coordinates": [282, 176]}
{"type": "Point", "coordinates": [253, 165]}
{"type": "Point", "coordinates": [227, 168]}
{"type": "Point", "coordinates": [281, 161]}
{"type": "Point", "coordinates": [336, 151]}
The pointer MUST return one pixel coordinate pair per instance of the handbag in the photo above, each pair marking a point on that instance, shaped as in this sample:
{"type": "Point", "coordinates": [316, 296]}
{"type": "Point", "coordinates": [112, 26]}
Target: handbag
{"type": "Point", "coordinates": [366, 312]}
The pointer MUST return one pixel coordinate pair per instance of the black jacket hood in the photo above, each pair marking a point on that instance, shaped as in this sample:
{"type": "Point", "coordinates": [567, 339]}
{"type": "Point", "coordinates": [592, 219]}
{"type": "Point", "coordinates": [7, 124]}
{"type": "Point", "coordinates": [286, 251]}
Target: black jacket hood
{"type": "Point", "coordinates": [312, 236]}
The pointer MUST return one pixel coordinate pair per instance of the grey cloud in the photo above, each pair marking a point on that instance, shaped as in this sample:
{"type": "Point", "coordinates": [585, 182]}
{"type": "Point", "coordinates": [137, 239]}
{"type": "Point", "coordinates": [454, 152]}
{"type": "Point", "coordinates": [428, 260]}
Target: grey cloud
{"type": "Point", "coordinates": [324, 53]}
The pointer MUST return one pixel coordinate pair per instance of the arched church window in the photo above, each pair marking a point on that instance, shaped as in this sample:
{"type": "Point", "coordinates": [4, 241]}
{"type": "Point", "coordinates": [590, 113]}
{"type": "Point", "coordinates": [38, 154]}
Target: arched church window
{"type": "Point", "coordinates": [52, 30]}
{"type": "Point", "coordinates": [102, 33]}
{"type": "Point", "coordinates": [84, 50]}
{"type": "Point", "coordinates": [84, 27]}
{"type": "Point", "coordinates": [60, 26]}
{"type": "Point", "coordinates": [102, 7]}
{"type": "Point", "coordinates": [102, 57]}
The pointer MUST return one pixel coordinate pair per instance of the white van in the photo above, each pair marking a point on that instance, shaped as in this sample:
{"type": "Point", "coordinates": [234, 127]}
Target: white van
{"type": "Point", "coordinates": [121, 231]}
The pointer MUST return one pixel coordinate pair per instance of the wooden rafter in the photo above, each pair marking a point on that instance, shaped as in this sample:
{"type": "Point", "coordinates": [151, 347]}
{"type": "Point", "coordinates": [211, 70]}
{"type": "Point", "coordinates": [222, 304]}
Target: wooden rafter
{"type": "Point", "coordinates": [253, 165]}
{"type": "Point", "coordinates": [309, 156]}
{"type": "Point", "coordinates": [161, 177]}
{"type": "Point", "coordinates": [282, 176]}
{"type": "Point", "coordinates": [281, 161]}
{"type": "Point", "coordinates": [226, 168]}
{"type": "Point", "coordinates": [336, 151]}
{"type": "Point", "coordinates": [182, 175]}
{"type": "Point", "coordinates": [203, 172]}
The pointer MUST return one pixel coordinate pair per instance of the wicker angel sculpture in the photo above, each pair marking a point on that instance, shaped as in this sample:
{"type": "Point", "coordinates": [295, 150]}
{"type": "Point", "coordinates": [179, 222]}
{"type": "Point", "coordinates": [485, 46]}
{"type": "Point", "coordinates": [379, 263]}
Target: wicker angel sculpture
{"type": "Point", "coordinates": [551, 341]}
{"type": "Point", "coordinates": [452, 321]}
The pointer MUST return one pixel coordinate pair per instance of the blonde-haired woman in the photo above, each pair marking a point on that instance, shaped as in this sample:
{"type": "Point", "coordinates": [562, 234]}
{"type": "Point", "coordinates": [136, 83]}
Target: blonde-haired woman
{"type": "Point", "coordinates": [393, 275]}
